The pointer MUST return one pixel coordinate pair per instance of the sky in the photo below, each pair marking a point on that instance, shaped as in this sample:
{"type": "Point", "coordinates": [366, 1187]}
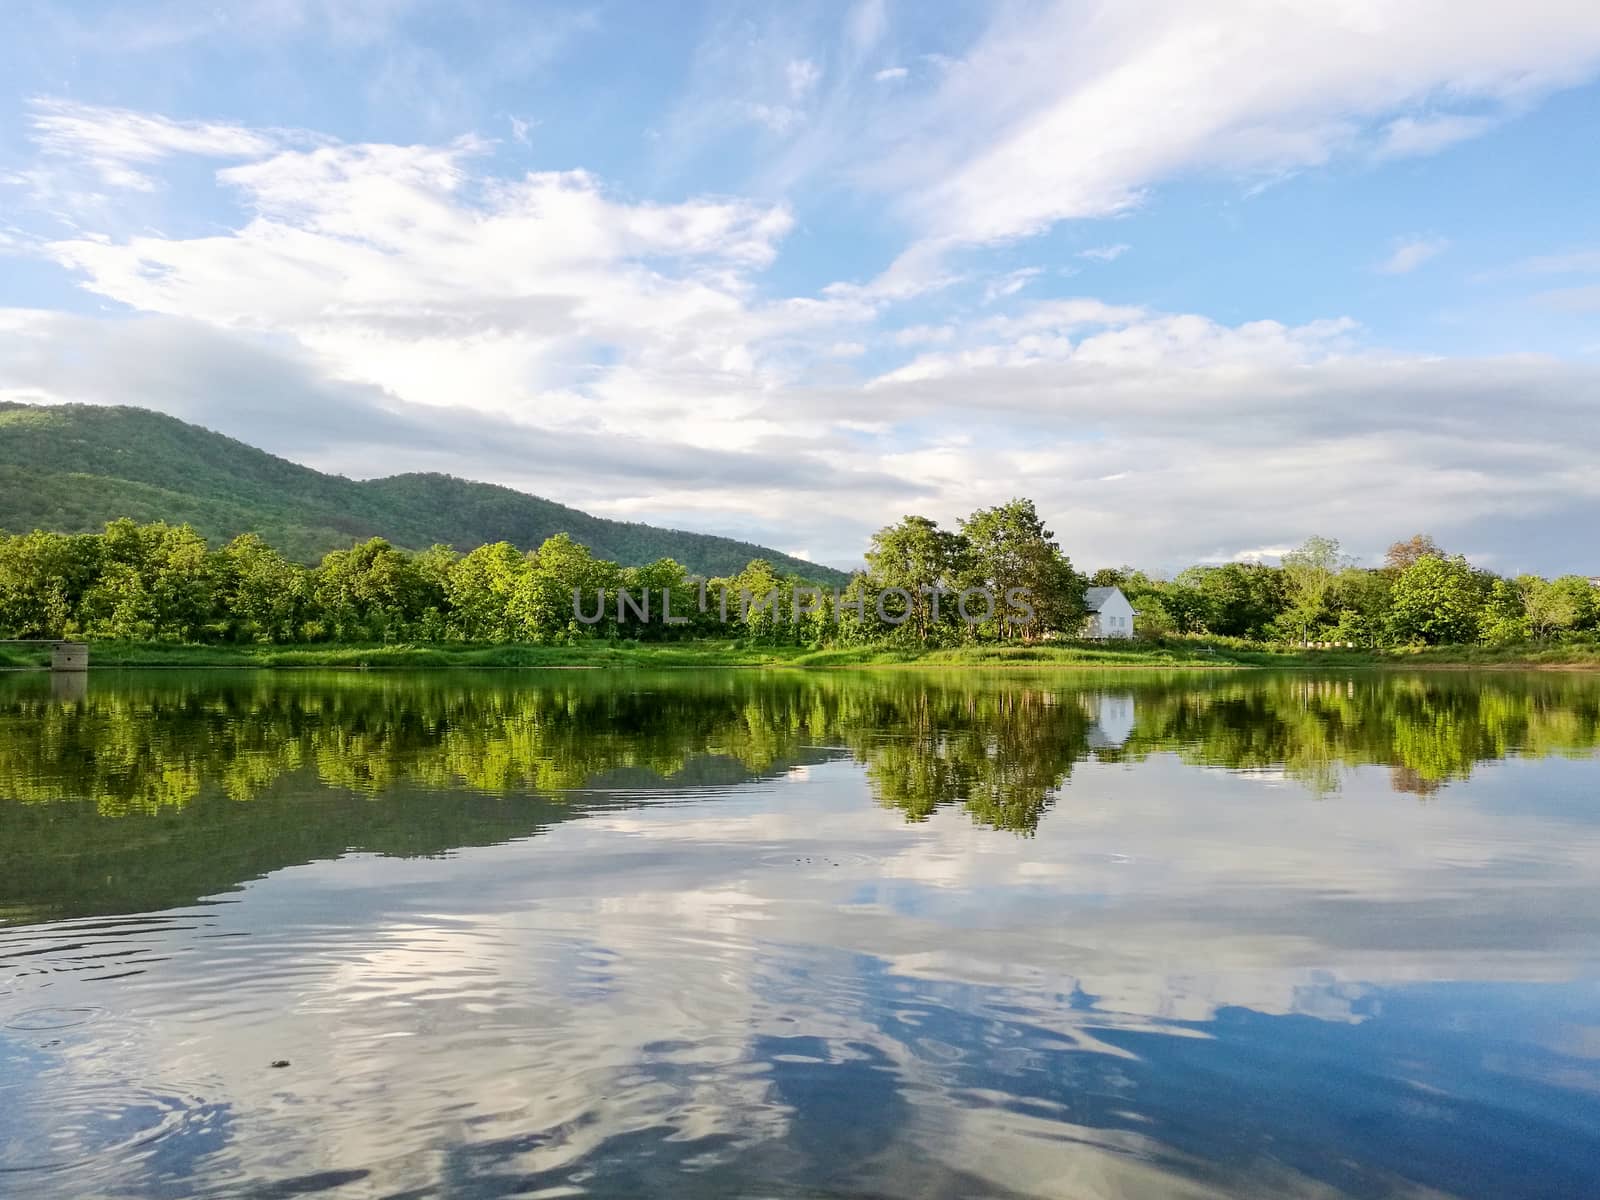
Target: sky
{"type": "Point", "coordinates": [1200, 280]}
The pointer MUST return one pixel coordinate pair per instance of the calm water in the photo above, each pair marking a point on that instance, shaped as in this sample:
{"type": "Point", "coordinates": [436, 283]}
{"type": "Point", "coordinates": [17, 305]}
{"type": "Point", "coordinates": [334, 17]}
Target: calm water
{"type": "Point", "coordinates": [745, 934]}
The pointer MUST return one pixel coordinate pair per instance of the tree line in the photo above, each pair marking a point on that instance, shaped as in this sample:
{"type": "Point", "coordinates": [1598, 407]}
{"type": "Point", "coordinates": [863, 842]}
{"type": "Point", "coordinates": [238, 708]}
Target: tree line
{"type": "Point", "coordinates": [1419, 595]}
{"type": "Point", "coordinates": [159, 582]}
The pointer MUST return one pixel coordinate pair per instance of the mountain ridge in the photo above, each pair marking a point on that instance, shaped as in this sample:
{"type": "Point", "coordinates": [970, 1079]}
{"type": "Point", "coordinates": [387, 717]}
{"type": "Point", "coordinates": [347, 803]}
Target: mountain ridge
{"type": "Point", "coordinates": [73, 467]}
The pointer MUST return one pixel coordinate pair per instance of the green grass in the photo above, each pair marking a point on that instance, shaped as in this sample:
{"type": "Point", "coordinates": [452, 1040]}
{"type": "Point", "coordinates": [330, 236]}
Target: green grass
{"type": "Point", "coordinates": [1052, 654]}
{"type": "Point", "coordinates": [1173, 653]}
{"type": "Point", "coordinates": [599, 654]}
{"type": "Point", "coordinates": [142, 654]}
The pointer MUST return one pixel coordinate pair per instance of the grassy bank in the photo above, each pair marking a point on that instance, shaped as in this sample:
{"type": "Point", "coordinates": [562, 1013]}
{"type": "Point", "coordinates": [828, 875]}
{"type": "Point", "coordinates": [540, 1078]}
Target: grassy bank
{"type": "Point", "coordinates": [1173, 653]}
{"type": "Point", "coordinates": [606, 655]}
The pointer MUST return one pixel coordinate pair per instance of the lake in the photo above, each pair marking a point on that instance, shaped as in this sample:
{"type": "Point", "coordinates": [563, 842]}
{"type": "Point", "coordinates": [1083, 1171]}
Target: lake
{"type": "Point", "coordinates": [786, 934]}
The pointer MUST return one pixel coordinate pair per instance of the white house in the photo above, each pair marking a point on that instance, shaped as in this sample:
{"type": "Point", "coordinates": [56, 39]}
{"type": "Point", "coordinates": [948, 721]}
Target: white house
{"type": "Point", "coordinates": [1110, 614]}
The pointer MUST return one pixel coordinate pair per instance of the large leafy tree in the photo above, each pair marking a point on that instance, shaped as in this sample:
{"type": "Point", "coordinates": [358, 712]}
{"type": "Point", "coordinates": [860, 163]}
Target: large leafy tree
{"type": "Point", "coordinates": [1309, 572]}
{"type": "Point", "coordinates": [1360, 601]}
{"type": "Point", "coordinates": [1183, 607]}
{"type": "Point", "coordinates": [657, 580]}
{"type": "Point", "coordinates": [759, 599]}
{"type": "Point", "coordinates": [373, 591]}
{"type": "Point", "coordinates": [261, 594]}
{"type": "Point", "coordinates": [43, 579]}
{"type": "Point", "coordinates": [1437, 600]}
{"type": "Point", "coordinates": [155, 584]}
{"type": "Point", "coordinates": [564, 579]}
{"type": "Point", "coordinates": [1245, 598]}
{"type": "Point", "coordinates": [1503, 619]}
{"type": "Point", "coordinates": [919, 557]}
{"type": "Point", "coordinates": [479, 591]}
{"type": "Point", "coordinates": [1554, 607]}
{"type": "Point", "coordinates": [1008, 547]}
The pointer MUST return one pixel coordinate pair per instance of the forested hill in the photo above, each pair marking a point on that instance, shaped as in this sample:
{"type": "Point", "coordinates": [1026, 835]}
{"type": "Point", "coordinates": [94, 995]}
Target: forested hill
{"type": "Point", "coordinates": [71, 468]}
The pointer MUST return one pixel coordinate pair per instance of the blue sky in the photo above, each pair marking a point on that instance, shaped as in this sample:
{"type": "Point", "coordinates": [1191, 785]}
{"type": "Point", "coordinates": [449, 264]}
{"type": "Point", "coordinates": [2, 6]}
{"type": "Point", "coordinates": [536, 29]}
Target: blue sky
{"type": "Point", "coordinates": [1200, 280]}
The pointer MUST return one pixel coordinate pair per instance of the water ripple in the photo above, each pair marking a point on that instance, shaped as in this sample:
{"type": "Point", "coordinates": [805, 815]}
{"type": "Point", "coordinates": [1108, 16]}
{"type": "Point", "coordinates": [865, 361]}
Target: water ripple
{"type": "Point", "coordinates": [78, 1130]}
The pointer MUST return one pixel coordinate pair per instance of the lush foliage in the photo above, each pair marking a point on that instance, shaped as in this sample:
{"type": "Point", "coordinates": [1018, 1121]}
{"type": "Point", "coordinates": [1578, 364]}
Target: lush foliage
{"type": "Point", "coordinates": [1420, 596]}
{"type": "Point", "coordinates": [162, 583]}
{"type": "Point", "coordinates": [924, 587]}
{"type": "Point", "coordinates": [963, 587]}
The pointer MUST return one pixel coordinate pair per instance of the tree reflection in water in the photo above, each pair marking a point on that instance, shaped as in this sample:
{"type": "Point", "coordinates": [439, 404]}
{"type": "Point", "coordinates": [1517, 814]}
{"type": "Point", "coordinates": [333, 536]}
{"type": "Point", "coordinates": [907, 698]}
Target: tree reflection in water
{"type": "Point", "coordinates": [194, 782]}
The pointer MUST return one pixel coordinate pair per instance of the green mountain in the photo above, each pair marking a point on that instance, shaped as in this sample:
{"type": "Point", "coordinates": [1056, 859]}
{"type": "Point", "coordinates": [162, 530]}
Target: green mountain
{"type": "Point", "coordinates": [71, 468]}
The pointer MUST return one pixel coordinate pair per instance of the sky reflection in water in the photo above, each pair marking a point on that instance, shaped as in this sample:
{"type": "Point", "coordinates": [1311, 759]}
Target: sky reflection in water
{"type": "Point", "coordinates": [893, 934]}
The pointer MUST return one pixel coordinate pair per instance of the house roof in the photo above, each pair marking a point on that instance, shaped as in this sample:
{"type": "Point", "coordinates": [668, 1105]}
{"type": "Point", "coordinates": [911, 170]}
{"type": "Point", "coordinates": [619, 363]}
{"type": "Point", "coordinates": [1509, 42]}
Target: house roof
{"type": "Point", "coordinates": [1096, 597]}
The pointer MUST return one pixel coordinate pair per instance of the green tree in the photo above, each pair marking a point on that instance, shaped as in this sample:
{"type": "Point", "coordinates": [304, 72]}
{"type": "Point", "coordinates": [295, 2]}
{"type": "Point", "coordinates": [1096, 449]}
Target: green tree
{"type": "Point", "coordinates": [661, 578]}
{"type": "Point", "coordinates": [563, 580]}
{"type": "Point", "coordinates": [1009, 548]}
{"type": "Point", "coordinates": [372, 592]}
{"type": "Point", "coordinates": [261, 594]}
{"type": "Point", "coordinates": [1556, 607]}
{"type": "Point", "coordinates": [1436, 601]}
{"type": "Point", "coordinates": [1360, 601]}
{"type": "Point", "coordinates": [1241, 599]}
{"type": "Point", "coordinates": [918, 557]}
{"type": "Point", "coordinates": [479, 592]}
{"type": "Point", "coordinates": [43, 579]}
{"type": "Point", "coordinates": [1184, 605]}
{"type": "Point", "coordinates": [1310, 572]}
{"type": "Point", "coordinates": [1503, 620]}
{"type": "Point", "coordinates": [761, 600]}
{"type": "Point", "coordinates": [155, 584]}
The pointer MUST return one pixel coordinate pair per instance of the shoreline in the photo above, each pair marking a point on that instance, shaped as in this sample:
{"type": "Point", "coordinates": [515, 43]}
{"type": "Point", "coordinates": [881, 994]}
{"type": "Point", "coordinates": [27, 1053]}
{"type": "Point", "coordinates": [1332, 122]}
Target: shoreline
{"type": "Point", "coordinates": [732, 656]}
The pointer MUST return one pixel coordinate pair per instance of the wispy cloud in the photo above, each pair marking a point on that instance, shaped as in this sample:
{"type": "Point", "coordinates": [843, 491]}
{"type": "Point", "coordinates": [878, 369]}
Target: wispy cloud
{"type": "Point", "coordinates": [1010, 283]}
{"type": "Point", "coordinates": [1573, 262]}
{"type": "Point", "coordinates": [1060, 112]}
{"type": "Point", "coordinates": [1573, 299]}
{"type": "Point", "coordinates": [802, 75]}
{"type": "Point", "coordinates": [1410, 253]}
{"type": "Point", "coordinates": [1105, 253]}
{"type": "Point", "coordinates": [1411, 137]}
{"type": "Point", "coordinates": [115, 142]}
{"type": "Point", "coordinates": [891, 74]}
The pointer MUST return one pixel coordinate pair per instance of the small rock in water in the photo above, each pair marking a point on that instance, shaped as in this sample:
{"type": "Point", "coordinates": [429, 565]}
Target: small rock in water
{"type": "Point", "coordinates": [281, 1062]}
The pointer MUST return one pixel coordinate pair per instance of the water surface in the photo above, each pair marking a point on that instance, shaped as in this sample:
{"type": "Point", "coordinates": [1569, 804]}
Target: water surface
{"type": "Point", "coordinates": [800, 934]}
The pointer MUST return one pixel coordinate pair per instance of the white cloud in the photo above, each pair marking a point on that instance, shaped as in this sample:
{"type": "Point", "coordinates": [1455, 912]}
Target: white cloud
{"type": "Point", "coordinates": [1410, 253]}
{"type": "Point", "coordinates": [917, 335]}
{"type": "Point", "coordinates": [1412, 137]}
{"type": "Point", "coordinates": [1105, 253]}
{"type": "Point", "coordinates": [1010, 283]}
{"type": "Point", "coordinates": [381, 307]}
{"type": "Point", "coordinates": [866, 26]}
{"type": "Point", "coordinates": [114, 142]}
{"type": "Point", "coordinates": [891, 74]}
{"type": "Point", "coordinates": [802, 75]}
{"type": "Point", "coordinates": [1062, 111]}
